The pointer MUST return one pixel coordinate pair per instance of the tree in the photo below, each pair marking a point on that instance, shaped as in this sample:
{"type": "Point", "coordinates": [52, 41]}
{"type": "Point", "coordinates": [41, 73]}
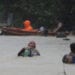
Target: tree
{"type": "Point", "coordinates": [41, 12]}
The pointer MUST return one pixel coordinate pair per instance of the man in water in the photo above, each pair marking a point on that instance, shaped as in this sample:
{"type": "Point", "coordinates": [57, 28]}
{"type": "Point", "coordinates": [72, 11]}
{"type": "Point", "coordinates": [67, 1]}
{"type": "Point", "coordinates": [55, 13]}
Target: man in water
{"type": "Point", "coordinates": [70, 58]}
{"type": "Point", "coordinates": [30, 50]}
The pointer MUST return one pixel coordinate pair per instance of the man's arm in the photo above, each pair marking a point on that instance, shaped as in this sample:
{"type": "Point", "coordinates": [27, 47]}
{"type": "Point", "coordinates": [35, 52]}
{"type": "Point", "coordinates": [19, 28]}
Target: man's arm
{"type": "Point", "coordinates": [20, 53]}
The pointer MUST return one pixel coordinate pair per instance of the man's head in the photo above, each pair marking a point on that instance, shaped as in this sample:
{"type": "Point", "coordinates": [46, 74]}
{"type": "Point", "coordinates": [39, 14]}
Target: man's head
{"type": "Point", "coordinates": [32, 44]}
{"type": "Point", "coordinates": [72, 46]}
{"type": "Point", "coordinates": [27, 23]}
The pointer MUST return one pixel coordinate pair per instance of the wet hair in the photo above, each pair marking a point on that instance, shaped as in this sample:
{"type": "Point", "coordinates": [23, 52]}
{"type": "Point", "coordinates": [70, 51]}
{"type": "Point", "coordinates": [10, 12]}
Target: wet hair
{"type": "Point", "coordinates": [72, 46]}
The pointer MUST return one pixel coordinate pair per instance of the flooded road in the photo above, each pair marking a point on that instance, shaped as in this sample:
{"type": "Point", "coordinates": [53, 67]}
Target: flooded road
{"type": "Point", "coordinates": [52, 50]}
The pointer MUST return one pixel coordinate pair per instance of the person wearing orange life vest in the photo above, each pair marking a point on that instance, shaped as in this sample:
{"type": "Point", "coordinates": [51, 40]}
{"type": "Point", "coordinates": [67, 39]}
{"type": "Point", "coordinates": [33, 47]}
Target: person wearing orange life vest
{"type": "Point", "coordinates": [27, 25]}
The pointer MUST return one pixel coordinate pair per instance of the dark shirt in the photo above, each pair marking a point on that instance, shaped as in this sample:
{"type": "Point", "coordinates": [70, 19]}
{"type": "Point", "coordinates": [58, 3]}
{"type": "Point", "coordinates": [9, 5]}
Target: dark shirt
{"type": "Point", "coordinates": [66, 60]}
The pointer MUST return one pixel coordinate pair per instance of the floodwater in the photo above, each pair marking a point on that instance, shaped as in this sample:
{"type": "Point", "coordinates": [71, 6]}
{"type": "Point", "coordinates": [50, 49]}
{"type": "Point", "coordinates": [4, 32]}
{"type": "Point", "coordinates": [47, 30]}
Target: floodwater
{"type": "Point", "coordinates": [52, 50]}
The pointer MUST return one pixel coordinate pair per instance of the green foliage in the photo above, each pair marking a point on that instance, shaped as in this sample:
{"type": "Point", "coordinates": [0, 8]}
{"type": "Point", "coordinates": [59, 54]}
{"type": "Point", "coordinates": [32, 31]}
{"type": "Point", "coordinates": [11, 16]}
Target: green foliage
{"type": "Point", "coordinates": [40, 12]}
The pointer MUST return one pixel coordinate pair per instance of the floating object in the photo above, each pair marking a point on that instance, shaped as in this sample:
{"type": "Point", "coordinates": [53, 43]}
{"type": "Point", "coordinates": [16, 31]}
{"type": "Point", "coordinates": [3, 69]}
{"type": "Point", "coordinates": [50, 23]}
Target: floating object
{"type": "Point", "coordinates": [20, 31]}
{"type": "Point", "coordinates": [27, 30]}
{"type": "Point", "coordinates": [61, 35]}
{"type": "Point", "coordinates": [17, 31]}
{"type": "Point", "coordinates": [66, 39]}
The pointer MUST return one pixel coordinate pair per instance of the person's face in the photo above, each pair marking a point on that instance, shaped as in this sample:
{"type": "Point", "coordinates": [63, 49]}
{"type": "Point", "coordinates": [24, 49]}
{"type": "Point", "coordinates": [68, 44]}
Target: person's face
{"type": "Point", "coordinates": [31, 45]}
